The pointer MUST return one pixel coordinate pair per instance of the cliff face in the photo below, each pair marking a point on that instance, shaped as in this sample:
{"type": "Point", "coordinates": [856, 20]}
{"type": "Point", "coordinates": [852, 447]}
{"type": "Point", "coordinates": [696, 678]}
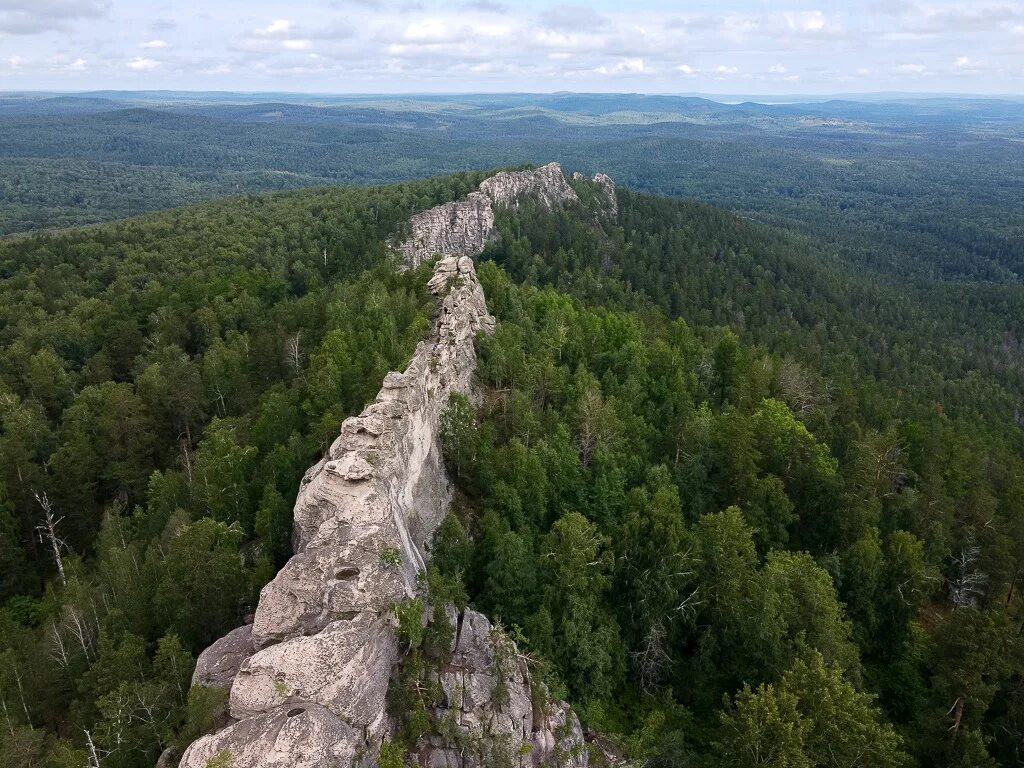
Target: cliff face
{"type": "Point", "coordinates": [465, 226]}
{"type": "Point", "coordinates": [308, 678]}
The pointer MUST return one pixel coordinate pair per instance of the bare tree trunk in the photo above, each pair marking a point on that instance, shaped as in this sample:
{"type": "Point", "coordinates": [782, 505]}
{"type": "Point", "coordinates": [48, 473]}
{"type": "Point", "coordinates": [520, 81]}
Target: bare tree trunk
{"type": "Point", "coordinates": [81, 630]}
{"type": "Point", "coordinates": [21, 694]}
{"type": "Point", "coordinates": [293, 353]}
{"type": "Point", "coordinates": [94, 758]}
{"type": "Point", "coordinates": [59, 652]}
{"type": "Point", "coordinates": [48, 529]}
{"type": "Point", "coordinates": [7, 715]}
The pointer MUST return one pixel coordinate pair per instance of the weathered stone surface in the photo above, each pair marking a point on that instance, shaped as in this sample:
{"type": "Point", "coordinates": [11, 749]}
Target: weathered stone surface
{"type": "Point", "coordinates": [322, 635]}
{"type": "Point", "coordinates": [217, 666]}
{"type": "Point", "coordinates": [459, 228]}
{"type": "Point", "coordinates": [306, 736]}
{"type": "Point", "coordinates": [308, 678]}
{"type": "Point", "coordinates": [495, 722]}
{"type": "Point", "coordinates": [607, 186]}
{"type": "Point", "coordinates": [464, 227]}
{"type": "Point", "coordinates": [546, 183]}
{"type": "Point", "coordinates": [344, 668]}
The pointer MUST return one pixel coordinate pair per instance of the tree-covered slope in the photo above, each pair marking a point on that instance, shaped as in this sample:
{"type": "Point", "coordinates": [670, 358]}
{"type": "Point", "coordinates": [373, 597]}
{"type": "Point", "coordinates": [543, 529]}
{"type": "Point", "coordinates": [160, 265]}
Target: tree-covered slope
{"type": "Point", "coordinates": [164, 383]}
{"type": "Point", "coordinates": [727, 494]}
{"type": "Point", "coordinates": [926, 189]}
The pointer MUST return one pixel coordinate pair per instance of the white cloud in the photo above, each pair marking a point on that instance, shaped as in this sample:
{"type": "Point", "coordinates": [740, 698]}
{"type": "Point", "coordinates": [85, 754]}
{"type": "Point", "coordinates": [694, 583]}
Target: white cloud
{"type": "Point", "coordinates": [546, 45]}
{"type": "Point", "coordinates": [277, 27]}
{"type": "Point", "coordinates": [141, 64]}
{"type": "Point", "coordinates": [806, 21]}
{"type": "Point", "coordinates": [623, 67]}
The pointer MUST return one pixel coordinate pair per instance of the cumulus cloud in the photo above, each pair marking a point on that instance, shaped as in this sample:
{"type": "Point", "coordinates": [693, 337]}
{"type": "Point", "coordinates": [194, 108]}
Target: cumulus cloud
{"type": "Point", "coordinates": [142, 64]}
{"type": "Point", "coordinates": [276, 27]}
{"type": "Point", "coordinates": [544, 45]}
{"type": "Point", "coordinates": [806, 21]}
{"type": "Point", "coordinates": [622, 67]}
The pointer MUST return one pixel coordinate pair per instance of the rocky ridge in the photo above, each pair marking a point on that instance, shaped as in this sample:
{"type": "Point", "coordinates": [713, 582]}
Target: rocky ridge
{"type": "Point", "coordinates": [465, 226]}
{"type": "Point", "coordinates": [308, 679]}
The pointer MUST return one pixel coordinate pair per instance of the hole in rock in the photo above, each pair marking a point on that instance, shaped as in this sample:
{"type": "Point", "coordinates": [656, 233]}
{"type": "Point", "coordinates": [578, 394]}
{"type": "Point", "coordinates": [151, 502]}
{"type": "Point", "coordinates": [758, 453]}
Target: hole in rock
{"type": "Point", "coordinates": [346, 573]}
{"type": "Point", "coordinates": [295, 711]}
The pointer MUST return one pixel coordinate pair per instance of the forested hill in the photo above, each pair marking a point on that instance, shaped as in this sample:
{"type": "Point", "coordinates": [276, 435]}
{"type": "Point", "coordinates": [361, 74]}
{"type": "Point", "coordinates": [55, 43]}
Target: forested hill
{"type": "Point", "coordinates": [928, 189]}
{"type": "Point", "coordinates": [725, 492]}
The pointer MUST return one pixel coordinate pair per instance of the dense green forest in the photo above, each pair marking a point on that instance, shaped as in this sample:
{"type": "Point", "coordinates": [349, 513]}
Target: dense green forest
{"type": "Point", "coordinates": [742, 503]}
{"type": "Point", "coordinates": [926, 189]}
{"type": "Point", "coordinates": [164, 383]}
{"type": "Point", "coordinates": [666, 516]}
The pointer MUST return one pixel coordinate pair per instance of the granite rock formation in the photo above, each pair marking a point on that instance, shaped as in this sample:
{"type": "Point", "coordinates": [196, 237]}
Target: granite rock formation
{"type": "Point", "coordinates": [308, 679]}
{"type": "Point", "coordinates": [464, 227]}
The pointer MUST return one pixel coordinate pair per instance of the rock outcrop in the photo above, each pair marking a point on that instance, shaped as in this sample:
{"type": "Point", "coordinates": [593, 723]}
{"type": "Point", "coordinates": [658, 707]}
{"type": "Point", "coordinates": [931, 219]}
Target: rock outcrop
{"type": "Point", "coordinates": [464, 227]}
{"type": "Point", "coordinates": [607, 186]}
{"type": "Point", "coordinates": [492, 712]}
{"type": "Point", "coordinates": [308, 679]}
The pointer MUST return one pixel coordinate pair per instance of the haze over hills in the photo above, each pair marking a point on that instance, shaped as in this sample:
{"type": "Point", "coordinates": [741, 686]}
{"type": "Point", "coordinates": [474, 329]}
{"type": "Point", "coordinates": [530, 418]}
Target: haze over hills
{"type": "Point", "coordinates": [925, 187]}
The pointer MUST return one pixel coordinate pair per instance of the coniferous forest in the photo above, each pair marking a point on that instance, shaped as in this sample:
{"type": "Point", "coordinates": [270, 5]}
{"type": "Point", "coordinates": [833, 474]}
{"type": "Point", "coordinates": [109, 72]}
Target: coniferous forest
{"type": "Point", "coordinates": [740, 498]}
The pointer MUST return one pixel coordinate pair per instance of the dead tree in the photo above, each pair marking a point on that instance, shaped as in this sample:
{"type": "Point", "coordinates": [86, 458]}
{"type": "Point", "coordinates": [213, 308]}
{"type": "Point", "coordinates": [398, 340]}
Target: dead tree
{"type": "Point", "coordinates": [48, 533]}
{"type": "Point", "coordinates": [293, 353]}
{"type": "Point", "coordinates": [651, 661]}
{"type": "Point", "coordinates": [95, 756]}
{"type": "Point", "coordinates": [967, 584]}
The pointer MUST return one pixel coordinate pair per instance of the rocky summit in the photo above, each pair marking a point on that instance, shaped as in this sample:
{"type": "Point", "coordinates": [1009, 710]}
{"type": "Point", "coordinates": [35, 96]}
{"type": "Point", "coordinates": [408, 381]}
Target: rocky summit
{"type": "Point", "coordinates": [307, 680]}
{"type": "Point", "coordinates": [464, 227]}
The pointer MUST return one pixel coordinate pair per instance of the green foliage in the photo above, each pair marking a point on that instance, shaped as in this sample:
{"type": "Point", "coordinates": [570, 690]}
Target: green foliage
{"type": "Point", "coordinates": [391, 755]}
{"type": "Point", "coordinates": [706, 463]}
{"type": "Point", "coordinates": [164, 382]}
{"type": "Point", "coordinates": [665, 510]}
{"type": "Point", "coordinates": [410, 615]}
{"type": "Point", "coordinates": [203, 708]}
{"type": "Point", "coordinates": [813, 717]}
{"type": "Point", "coordinates": [391, 557]}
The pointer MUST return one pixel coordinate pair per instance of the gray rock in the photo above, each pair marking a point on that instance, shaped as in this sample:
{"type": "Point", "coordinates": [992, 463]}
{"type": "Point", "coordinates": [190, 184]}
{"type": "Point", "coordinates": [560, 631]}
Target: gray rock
{"type": "Point", "coordinates": [344, 668]}
{"type": "Point", "coordinates": [464, 227]}
{"type": "Point", "coordinates": [607, 186]}
{"type": "Point", "coordinates": [217, 666]}
{"type": "Point", "coordinates": [546, 184]}
{"type": "Point", "coordinates": [308, 678]}
{"type": "Point", "coordinates": [306, 736]}
{"type": "Point", "coordinates": [493, 720]}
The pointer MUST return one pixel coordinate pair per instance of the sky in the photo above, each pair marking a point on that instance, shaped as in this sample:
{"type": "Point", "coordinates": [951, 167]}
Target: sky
{"type": "Point", "coordinates": [460, 46]}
